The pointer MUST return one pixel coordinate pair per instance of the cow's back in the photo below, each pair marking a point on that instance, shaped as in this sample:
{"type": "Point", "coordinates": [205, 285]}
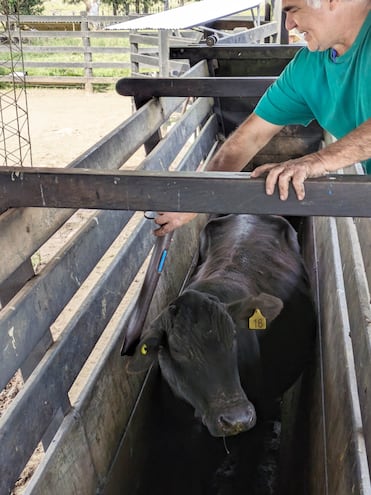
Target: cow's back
{"type": "Point", "coordinates": [254, 254]}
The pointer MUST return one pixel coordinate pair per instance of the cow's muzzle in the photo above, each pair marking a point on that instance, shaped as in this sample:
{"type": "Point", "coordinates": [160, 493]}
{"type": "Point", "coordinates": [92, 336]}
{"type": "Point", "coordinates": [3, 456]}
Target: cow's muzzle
{"type": "Point", "coordinates": [231, 421]}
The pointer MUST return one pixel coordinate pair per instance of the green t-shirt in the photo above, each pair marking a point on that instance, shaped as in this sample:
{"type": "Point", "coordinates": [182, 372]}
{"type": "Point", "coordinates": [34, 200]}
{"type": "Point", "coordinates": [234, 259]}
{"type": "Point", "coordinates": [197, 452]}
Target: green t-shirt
{"type": "Point", "coordinates": [334, 91]}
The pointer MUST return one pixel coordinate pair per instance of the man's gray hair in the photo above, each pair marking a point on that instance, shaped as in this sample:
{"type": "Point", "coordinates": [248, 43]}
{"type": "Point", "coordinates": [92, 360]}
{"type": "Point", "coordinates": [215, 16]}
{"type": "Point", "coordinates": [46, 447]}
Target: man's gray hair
{"type": "Point", "coordinates": [316, 4]}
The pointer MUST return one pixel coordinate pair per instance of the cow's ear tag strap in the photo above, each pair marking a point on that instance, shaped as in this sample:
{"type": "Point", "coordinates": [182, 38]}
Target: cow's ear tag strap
{"type": "Point", "coordinates": [257, 321]}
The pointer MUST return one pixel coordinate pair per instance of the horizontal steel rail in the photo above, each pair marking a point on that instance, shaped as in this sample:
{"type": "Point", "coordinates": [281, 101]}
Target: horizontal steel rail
{"type": "Point", "coordinates": [196, 86]}
{"type": "Point", "coordinates": [206, 192]}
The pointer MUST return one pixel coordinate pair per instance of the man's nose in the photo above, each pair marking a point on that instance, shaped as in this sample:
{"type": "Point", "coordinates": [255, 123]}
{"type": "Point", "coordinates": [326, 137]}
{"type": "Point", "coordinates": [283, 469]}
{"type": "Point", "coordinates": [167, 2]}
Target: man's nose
{"type": "Point", "coordinates": [290, 22]}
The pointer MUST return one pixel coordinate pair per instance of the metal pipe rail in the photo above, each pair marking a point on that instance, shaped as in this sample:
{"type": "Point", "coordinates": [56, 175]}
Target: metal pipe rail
{"type": "Point", "coordinates": [194, 86]}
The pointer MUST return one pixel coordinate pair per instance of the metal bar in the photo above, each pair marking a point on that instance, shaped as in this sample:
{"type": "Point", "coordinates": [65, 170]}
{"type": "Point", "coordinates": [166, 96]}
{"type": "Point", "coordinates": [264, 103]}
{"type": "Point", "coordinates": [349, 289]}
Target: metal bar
{"type": "Point", "coordinates": [194, 86]}
{"type": "Point", "coordinates": [230, 52]}
{"type": "Point", "coordinates": [163, 62]}
{"type": "Point", "coordinates": [206, 192]}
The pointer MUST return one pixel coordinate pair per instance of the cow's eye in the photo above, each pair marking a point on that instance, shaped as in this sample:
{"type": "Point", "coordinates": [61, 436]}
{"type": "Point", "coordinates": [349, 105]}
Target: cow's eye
{"type": "Point", "coordinates": [144, 350]}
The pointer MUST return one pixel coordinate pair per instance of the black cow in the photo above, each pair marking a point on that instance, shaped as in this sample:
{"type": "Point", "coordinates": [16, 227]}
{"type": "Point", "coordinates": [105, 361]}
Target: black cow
{"type": "Point", "coordinates": [213, 348]}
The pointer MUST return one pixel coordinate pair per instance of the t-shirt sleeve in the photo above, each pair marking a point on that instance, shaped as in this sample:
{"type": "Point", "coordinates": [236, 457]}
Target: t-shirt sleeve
{"type": "Point", "coordinates": [283, 103]}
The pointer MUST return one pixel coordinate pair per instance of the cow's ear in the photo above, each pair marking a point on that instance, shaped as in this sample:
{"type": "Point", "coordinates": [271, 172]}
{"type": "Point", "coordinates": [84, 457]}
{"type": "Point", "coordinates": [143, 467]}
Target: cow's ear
{"type": "Point", "coordinates": [264, 306]}
{"type": "Point", "coordinates": [147, 349]}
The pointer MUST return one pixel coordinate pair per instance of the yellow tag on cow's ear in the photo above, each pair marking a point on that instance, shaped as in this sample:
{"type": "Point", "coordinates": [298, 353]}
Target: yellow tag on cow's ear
{"type": "Point", "coordinates": [257, 321]}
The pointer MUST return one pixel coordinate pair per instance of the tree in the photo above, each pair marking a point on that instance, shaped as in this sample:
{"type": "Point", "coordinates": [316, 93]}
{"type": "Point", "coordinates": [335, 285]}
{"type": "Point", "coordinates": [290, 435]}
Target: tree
{"type": "Point", "coordinates": [122, 7]}
{"type": "Point", "coordinates": [21, 7]}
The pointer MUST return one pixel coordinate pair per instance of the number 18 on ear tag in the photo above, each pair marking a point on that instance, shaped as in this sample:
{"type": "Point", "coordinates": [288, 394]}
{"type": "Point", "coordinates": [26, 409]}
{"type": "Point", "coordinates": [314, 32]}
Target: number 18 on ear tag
{"type": "Point", "coordinates": [257, 321]}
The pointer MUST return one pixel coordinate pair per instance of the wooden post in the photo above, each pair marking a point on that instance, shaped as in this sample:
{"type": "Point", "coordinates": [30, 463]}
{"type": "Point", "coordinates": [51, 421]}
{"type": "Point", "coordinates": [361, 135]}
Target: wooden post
{"type": "Point", "coordinates": [88, 58]}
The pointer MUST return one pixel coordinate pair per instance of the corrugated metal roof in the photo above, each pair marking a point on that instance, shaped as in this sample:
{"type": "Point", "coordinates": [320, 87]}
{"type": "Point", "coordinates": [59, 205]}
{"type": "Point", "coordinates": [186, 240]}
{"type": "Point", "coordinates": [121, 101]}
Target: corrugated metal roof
{"type": "Point", "coordinates": [194, 14]}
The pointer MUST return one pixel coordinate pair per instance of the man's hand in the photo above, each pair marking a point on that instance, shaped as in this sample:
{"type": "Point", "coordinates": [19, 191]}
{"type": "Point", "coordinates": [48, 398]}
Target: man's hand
{"type": "Point", "coordinates": [170, 221]}
{"type": "Point", "coordinates": [296, 171]}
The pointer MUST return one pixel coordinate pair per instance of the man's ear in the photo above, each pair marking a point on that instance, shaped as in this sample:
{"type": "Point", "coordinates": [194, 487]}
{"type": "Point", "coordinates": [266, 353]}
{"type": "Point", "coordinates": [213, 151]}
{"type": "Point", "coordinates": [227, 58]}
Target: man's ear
{"type": "Point", "coordinates": [269, 307]}
{"type": "Point", "coordinates": [147, 349]}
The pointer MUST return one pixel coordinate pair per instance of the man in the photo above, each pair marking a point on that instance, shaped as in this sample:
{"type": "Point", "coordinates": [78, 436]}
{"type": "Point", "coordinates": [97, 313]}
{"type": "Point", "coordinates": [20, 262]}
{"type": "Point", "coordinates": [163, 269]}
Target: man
{"type": "Point", "coordinates": [329, 80]}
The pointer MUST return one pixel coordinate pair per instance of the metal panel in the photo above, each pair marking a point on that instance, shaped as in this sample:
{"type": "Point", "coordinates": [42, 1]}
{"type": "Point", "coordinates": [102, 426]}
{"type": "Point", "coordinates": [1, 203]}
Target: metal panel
{"type": "Point", "coordinates": [346, 458]}
{"type": "Point", "coordinates": [28, 417]}
{"type": "Point", "coordinates": [364, 235]}
{"type": "Point", "coordinates": [106, 404]}
{"type": "Point", "coordinates": [36, 307]}
{"type": "Point", "coordinates": [359, 309]}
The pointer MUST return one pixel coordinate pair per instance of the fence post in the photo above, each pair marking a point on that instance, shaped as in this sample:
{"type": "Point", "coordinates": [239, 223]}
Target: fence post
{"type": "Point", "coordinates": [134, 48]}
{"type": "Point", "coordinates": [88, 58]}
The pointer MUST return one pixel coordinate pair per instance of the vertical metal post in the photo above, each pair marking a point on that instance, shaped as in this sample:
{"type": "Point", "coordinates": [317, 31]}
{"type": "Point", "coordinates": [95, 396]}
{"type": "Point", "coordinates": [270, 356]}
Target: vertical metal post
{"type": "Point", "coordinates": [164, 63]}
{"type": "Point", "coordinates": [277, 16]}
{"type": "Point", "coordinates": [15, 144]}
{"type": "Point", "coordinates": [284, 32]}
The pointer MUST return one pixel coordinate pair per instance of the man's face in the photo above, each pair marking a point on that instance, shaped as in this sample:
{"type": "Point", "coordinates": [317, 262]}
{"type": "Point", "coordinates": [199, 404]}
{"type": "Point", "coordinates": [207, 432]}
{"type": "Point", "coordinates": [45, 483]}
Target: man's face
{"type": "Point", "coordinates": [313, 23]}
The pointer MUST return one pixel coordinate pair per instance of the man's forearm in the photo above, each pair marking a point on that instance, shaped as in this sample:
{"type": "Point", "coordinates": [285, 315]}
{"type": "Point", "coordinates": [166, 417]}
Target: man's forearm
{"type": "Point", "coordinates": [249, 138]}
{"type": "Point", "coordinates": [352, 148]}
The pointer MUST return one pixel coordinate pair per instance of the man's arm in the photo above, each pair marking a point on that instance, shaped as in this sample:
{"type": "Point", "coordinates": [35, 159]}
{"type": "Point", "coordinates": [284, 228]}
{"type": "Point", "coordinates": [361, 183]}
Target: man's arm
{"type": "Point", "coordinates": [240, 147]}
{"type": "Point", "coordinates": [352, 148]}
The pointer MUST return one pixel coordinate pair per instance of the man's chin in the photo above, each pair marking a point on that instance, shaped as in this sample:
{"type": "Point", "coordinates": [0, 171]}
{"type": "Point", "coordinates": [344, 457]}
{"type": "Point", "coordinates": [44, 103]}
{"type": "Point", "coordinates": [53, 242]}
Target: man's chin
{"type": "Point", "coordinates": [314, 47]}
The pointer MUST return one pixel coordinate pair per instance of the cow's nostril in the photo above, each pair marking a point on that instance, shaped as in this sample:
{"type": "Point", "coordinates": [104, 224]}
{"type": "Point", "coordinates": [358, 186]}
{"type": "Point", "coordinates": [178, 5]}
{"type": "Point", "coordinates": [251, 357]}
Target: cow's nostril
{"type": "Point", "coordinates": [224, 421]}
{"type": "Point", "coordinates": [232, 424]}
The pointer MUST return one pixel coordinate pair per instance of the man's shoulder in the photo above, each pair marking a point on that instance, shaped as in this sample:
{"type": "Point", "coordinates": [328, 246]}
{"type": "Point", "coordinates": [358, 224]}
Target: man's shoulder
{"type": "Point", "coordinates": [305, 64]}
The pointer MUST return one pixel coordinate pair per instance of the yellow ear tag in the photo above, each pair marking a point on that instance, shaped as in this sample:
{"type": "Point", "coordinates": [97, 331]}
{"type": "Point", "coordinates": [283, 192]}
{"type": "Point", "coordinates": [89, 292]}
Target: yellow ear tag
{"type": "Point", "coordinates": [144, 349]}
{"type": "Point", "coordinates": [257, 321]}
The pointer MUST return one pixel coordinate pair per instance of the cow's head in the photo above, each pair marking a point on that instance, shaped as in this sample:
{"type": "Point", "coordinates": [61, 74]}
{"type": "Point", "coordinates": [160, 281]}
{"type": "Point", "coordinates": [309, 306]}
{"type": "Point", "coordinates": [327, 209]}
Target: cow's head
{"type": "Point", "coordinates": [195, 340]}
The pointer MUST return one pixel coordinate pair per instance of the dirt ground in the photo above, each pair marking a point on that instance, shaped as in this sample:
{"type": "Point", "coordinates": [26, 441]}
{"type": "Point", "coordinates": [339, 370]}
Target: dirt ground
{"type": "Point", "coordinates": [66, 122]}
